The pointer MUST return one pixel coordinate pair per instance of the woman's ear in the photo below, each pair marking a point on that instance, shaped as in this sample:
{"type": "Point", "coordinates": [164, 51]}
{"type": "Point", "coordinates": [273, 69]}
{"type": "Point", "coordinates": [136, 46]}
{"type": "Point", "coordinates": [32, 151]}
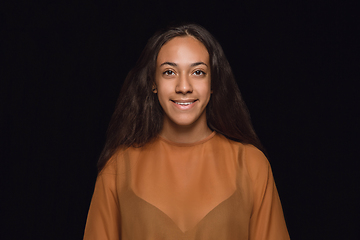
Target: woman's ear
{"type": "Point", "coordinates": [154, 89]}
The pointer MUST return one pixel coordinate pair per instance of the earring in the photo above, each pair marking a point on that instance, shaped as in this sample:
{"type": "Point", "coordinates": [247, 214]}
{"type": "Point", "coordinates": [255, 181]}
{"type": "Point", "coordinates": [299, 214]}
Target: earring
{"type": "Point", "coordinates": [154, 89]}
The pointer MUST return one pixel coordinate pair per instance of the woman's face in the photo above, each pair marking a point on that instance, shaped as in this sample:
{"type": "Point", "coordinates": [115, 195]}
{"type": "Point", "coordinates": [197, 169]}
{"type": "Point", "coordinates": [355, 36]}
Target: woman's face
{"type": "Point", "coordinates": [183, 81]}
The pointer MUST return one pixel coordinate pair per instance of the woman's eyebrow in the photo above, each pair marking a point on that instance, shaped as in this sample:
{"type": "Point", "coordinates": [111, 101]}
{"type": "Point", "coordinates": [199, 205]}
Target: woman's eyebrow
{"type": "Point", "coordinates": [198, 63]}
{"type": "Point", "coordinates": [175, 65]}
{"type": "Point", "coordinates": [169, 63]}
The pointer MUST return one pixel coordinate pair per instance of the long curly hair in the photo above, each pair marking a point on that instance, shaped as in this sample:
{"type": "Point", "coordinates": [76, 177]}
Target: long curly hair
{"type": "Point", "coordinates": [138, 116]}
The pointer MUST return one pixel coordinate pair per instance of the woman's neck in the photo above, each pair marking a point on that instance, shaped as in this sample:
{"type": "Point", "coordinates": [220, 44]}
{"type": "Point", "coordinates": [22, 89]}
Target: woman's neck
{"type": "Point", "coordinates": [185, 134]}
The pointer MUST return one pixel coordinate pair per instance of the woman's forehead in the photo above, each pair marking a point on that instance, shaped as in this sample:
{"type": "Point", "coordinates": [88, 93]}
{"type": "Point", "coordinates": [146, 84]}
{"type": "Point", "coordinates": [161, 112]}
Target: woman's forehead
{"type": "Point", "coordinates": [185, 50]}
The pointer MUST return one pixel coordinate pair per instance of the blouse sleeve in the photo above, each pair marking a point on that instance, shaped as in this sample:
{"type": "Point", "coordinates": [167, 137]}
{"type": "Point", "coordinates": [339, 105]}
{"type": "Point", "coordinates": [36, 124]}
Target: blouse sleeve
{"type": "Point", "coordinates": [103, 221]}
{"type": "Point", "coordinates": [267, 220]}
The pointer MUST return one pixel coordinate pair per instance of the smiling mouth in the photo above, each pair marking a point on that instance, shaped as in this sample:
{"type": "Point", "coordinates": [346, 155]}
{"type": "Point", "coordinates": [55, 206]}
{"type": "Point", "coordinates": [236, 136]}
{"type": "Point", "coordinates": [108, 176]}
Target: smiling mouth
{"type": "Point", "coordinates": [184, 103]}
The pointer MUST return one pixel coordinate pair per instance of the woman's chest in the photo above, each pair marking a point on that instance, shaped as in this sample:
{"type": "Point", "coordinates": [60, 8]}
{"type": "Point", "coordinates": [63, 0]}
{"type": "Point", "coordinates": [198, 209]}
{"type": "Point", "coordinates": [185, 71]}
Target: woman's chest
{"type": "Point", "coordinates": [186, 194]}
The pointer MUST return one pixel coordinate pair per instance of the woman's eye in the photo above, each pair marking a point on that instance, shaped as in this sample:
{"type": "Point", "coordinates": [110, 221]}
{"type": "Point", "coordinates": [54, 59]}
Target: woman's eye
{"type": "Point", "coordinates": [199, 72]}
{"type": "Point", "coordinates": [168, 72]}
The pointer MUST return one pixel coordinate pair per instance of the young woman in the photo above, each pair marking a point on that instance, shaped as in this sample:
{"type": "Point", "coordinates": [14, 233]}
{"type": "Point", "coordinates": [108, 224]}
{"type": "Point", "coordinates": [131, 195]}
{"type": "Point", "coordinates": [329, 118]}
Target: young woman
{"type": "Point", "coordinates": [182, 160]}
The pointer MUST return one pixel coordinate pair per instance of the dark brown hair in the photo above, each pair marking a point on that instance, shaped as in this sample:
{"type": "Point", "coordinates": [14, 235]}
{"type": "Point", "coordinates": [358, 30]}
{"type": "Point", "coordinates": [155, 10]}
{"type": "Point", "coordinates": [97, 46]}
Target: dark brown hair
{"type": "Point", "coordinates": [138, 116]}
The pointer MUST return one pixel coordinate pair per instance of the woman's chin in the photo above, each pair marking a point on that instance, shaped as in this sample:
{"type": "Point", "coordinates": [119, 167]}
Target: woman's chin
{"type": "Point", "coordinates": [184, 122]}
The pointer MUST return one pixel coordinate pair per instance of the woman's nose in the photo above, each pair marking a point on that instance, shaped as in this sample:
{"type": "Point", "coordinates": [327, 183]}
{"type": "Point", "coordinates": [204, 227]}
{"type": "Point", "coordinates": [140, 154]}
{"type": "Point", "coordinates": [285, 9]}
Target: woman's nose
{"type": "Point", "coordinates": [184, 85]}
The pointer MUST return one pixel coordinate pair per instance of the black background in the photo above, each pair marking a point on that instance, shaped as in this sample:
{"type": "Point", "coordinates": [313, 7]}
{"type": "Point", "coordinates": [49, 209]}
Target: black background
{"type": "Point", "coordinates": [296, 63]}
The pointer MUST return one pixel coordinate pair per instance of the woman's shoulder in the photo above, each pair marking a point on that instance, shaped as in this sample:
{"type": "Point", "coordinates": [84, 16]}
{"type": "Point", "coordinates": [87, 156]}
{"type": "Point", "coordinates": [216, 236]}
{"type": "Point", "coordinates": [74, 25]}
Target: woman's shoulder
{"type": "Point", "coordinates": [248, 150]}
{"type": "Point", "coordinates": [249, 156]}
{"type": "Point", "coordinates": [116, 160]}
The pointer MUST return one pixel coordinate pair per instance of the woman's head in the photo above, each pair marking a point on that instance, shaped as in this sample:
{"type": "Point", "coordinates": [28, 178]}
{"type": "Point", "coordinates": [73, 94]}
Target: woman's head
{"type": "Point", "coordinates": [183, 84]}
{"type": "Point", "coordinates": [139, 116]}
{"type": "Point", "coordinates": [222, 80]}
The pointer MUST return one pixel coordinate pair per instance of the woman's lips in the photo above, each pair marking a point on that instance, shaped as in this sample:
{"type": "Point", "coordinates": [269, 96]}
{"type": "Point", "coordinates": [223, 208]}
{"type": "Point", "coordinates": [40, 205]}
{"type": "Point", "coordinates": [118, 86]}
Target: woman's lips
{"type": "Point", "coordinates": [184, 104]}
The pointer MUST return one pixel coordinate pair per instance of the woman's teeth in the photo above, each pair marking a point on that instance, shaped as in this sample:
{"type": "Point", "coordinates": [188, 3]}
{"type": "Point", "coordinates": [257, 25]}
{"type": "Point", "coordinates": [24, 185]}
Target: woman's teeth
{"type": "Point", "coordinates": [184, 104]}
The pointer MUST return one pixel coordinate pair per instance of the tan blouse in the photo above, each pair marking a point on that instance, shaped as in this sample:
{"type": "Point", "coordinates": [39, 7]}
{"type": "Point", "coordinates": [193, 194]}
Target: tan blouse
{"type": "Point", "coordinates": [212, 189]}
